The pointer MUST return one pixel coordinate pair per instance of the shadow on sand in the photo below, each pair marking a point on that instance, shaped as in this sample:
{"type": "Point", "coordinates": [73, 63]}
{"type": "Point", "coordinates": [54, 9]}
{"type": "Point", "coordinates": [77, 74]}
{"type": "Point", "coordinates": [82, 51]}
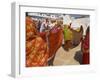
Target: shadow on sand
{"type": "Point", "coordinates": [78, 56]}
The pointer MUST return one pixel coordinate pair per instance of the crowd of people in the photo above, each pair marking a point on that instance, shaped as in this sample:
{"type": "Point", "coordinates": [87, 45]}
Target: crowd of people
{"type": "Point", "coordinates": [40, 32]}
{"type": "Point", "coordinates": [47, 24]}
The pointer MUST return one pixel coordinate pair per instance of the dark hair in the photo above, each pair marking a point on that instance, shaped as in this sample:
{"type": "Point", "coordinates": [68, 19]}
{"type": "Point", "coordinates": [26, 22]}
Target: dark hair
{"type": "Point", "coordinates": [46, 19]}
{"type": "Point", "coordinates": [88, 29]}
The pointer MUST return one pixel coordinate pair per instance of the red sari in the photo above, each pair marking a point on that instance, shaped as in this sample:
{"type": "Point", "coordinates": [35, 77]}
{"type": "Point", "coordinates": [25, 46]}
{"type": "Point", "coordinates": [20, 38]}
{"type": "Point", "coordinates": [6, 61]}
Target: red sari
{"type": "Point", "coordinates": [85, 48]}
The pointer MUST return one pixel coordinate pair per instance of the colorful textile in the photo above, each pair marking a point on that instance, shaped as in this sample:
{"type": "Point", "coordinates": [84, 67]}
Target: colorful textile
{"type": "Point", "coordinates": [67, 34]}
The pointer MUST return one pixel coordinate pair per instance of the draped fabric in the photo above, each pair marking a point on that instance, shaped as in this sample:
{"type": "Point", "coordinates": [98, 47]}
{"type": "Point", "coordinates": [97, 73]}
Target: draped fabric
{"type": "Point", "coordinates": [68, 35]}
{"type": "Point", "coordinates": [36, 48]}
{"type": "Point", "coordinates": [55, 40]}
{"type": "Point", "coordinates": [85, 48]}
{"type": "Point", "coordinates": [36, 52]}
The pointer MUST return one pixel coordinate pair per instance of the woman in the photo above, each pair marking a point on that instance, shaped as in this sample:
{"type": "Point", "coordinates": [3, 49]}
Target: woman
{"type": "Point", "coordinates": [45, 25]}
{"type": "Point", "coordinates": [36, 47]}
{"type": "Point", "coordinates": [85, 47]}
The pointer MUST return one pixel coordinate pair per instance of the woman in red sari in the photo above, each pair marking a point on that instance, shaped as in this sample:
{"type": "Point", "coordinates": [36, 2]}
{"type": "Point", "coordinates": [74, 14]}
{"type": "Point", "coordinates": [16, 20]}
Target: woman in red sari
{"type": "Point", "coordinates": [85, 48]}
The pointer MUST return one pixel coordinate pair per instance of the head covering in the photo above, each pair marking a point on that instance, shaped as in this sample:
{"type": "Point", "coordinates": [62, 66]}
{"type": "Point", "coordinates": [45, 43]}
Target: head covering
{"type": "Point", "coordinates": [66, 20]}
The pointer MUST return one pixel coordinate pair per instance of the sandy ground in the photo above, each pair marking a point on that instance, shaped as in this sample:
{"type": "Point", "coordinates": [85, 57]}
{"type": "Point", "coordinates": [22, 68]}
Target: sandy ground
{"type": "Point", "coordinates": [66, 57]}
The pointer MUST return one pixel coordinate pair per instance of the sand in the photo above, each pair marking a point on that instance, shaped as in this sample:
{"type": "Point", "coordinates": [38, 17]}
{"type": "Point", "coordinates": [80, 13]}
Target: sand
{"type": "Point", "coordinates": [66, 57]}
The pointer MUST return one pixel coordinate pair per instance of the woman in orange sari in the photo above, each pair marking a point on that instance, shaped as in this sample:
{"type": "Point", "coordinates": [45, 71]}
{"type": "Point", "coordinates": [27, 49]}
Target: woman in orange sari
{"type": "Point", "coordinates": [36, 48]}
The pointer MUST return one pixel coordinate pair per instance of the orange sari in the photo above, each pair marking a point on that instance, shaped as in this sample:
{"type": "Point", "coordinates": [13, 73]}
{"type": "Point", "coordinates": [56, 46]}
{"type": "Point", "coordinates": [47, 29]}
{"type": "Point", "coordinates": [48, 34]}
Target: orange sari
{"type": "Point", "coordinates": [36, 48]}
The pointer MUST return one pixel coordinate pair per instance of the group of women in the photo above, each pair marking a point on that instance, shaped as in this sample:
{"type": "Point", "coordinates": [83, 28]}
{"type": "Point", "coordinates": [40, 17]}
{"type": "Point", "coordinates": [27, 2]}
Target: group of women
{"type": "Point", "coordinates": [43, 40]}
